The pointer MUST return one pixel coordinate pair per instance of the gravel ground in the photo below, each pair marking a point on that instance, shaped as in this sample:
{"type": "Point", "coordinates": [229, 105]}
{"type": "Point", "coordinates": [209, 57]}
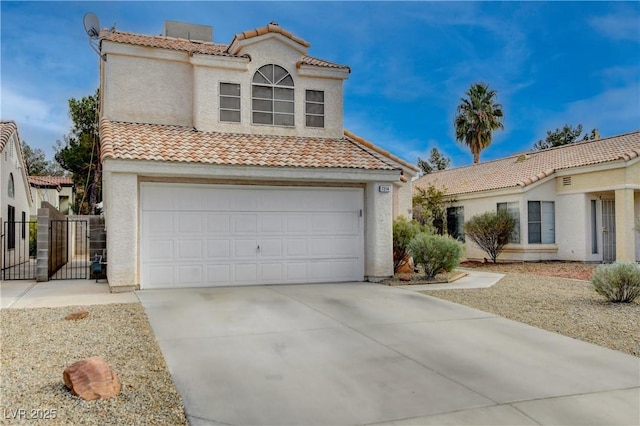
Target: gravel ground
{"type": "Point", "coordinates": [37, 345]}
{"type": "Point", "coordinates": [566, 306]}
{"type": "Point", "coordinates": [577, 270]}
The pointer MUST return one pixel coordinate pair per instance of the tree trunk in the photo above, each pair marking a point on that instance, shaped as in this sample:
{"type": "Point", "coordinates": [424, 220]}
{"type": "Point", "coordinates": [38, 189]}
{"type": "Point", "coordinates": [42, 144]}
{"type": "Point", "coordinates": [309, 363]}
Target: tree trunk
{"type": "Point", "coordinates": [93, 195]}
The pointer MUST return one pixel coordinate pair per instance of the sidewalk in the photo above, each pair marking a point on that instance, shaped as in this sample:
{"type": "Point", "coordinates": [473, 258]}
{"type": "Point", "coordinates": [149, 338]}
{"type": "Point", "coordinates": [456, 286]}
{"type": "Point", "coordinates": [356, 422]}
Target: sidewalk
{"type": "Point", "coordinates": [475, 279]}
{"type": "Point", "coordinates": [50, 294]}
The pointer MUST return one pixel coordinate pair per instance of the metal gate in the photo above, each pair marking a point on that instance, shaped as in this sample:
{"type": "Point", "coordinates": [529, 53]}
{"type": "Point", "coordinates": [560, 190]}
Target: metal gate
{"type": "Point", "coordinates": [19, 249]}
{"type": "Point", "coordinates": [608, 231]}
{"type": "Point", "coordinates": [69, 249]}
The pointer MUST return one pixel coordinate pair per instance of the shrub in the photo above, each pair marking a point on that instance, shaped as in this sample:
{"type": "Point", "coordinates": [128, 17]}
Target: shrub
{"type": "Point", "coordinates": [618, 282]}
{"type": "Point", "coordinates": [435, 253]}
{"type": "Point", "coordinates": [403, 232]}
{"type": "Point", "coordinates": [490, 231]}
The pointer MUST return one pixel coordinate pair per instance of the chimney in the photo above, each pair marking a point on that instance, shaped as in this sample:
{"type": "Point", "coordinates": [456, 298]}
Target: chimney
{"type": "Point", "coordinates": [596, 134]}
{"type": "Point", "coordinates": [187, 31]}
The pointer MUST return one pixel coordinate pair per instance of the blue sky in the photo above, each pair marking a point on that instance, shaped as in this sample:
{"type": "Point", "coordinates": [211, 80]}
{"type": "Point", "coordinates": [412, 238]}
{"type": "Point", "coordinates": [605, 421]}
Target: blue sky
{"type": "Point", "coordinates": [551, 63]}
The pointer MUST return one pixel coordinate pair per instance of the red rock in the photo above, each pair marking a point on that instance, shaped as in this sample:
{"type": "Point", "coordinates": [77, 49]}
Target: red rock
{"type": "Point", "coordinates": [79, 314]}
{"type": "Point", "coordinates": [405, 277]}
{"type": "Point", "coordinates": [91, 378]}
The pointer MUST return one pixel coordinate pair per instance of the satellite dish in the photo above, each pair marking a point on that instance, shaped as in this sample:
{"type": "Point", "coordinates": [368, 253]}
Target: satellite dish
{"type": "Point", "coordinates": [91, 25]}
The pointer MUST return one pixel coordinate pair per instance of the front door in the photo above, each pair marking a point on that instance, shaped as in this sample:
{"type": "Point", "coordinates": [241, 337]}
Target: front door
{"type": "Point", "coordinates": [609, 231]}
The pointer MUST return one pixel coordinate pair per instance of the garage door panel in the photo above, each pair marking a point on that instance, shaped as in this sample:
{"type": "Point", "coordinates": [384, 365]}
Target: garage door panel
{"type": "Point", "coordinates": [271, 223]}
{"type": "Point", "coordinates": [245, 223]}
{"type": "Point", "coordinates": [245, 248]}
{"type": "Point", "coordinates": [245, 273]}
{"type": "Point", "coordinates": [190, 223]}
{"type": "Point", "coordinates": [190, 249]}
{"type": "Point", "coordinates": [271, 272]}
{"type": "Point", "coordinates": [160, 276]}
{"type": "Point", "coordinates": [271, 247]}
{"type": "Point", "coordinates": [161, 250]}
{"type": "Point", "coordinates": [218, 223]}
{"type": "Point", "coordinates": [190, 275]}
{"type": "Point", "coordinates": [235, 235]}
{"type": "Point", "coordinates": [218, 274]}
{"type": "Point", "coordinates": [218, 249]}
{"type": "Point", "coordinates": [158, 223]}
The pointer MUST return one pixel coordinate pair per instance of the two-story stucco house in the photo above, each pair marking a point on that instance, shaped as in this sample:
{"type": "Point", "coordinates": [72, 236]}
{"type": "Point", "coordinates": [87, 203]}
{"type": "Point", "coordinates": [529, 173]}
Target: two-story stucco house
{"type": "Point", "coordinates": [15, 198]}
{"type": "Point", "coordinates": [578, 202]}
{"type": "Point", "coordinates": [228, 164]}
{"type": "Point", "coordinates": [59, 191]}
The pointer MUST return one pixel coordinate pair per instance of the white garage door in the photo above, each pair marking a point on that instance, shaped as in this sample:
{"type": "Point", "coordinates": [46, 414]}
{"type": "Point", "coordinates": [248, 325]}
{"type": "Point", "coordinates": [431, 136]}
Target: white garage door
{"type": "Point", "coordinates": [213, 235]}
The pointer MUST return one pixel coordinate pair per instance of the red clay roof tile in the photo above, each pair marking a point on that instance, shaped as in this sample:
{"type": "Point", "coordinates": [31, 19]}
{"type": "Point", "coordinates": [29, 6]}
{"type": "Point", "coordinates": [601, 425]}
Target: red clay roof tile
{"type": "Point", "coordinates": [524, 169]}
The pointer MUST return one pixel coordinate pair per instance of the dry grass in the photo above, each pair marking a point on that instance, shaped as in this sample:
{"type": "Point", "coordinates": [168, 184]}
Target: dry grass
{"type": "Point", "coordinates": [575, 270]}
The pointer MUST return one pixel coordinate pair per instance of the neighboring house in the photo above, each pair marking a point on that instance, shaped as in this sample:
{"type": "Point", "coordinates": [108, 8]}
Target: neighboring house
{"type": "Point", "coordinates": [58, 191]}
{"type": "Point", "coordinates": [15, 198]}
{"type": "Point", "coordinates": [229, 165]}
{"type": "Point", "coordinates": [577, 202]}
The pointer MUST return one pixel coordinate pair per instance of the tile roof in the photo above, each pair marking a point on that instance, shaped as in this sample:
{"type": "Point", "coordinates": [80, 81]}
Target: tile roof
{"type": "Point", "coordinates": [272, 27]}
{"type": "Point", "coordinates": [50, 181]}
{"type": "Point", "coordinates": [155, 142]}
{"type": "Point", "coordinates": [524, 169]}
{"type": "Point", "coordinates": [7, 128]}
{"type": "Point", "coordinates": [201, 47]}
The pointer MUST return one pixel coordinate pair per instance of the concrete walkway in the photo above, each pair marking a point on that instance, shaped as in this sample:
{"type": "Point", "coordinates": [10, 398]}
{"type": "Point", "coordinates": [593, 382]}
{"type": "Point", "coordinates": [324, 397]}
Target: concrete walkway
{"type": "Point", "coordinates": [474, 279]}
{"type": "Point", "coordinates": [29, 294]}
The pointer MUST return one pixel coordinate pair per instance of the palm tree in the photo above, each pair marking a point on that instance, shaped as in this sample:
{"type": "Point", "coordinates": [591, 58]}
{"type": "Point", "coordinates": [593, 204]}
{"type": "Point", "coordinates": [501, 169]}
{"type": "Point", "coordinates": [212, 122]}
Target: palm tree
{"type": "Point", "coordinates": [478, 116]}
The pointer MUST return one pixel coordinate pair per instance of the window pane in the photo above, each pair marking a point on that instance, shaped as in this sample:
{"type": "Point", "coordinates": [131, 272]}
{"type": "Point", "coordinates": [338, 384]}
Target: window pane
{"type": "Point", "coordinates": [265, 106]}
{"type": "Point", "coordinates": [229, 103]}
{"type": "Point", "coordinates": [283, 119]}
{"type": "Point", "coordinates": [262, 92]}
{"type": "Point", "coordinates": [283, 94]}
{"type": "Point", "coordinates": [548, 229]}
{"type": "Point", "coordinates": [267, 72]}
{"type": "Point", "coordinates": [502, 207]}
{"type": "Point", "coordinates": [230, 89]}
{"type": "Point", "coordinates": [315, 96]}
{"type": "Point", "coordinates": [317, 109]}
{"type": "Point", "coordinates": [283, 107]}
{"type": "Point", "coordinates": [262, 118]}
{"type": "Point", "coordinates": [534, 211]}
{"type": "Point", "coordinates": [278, 73]}
{"type": "Point", "coordinates": [287, 81]}
{"type": "Point", "coordinates": [534, 233]}
{"type": "Point", "coordinates": [232, 116]}
{"type": "Point", "coordinates": [315, 121]}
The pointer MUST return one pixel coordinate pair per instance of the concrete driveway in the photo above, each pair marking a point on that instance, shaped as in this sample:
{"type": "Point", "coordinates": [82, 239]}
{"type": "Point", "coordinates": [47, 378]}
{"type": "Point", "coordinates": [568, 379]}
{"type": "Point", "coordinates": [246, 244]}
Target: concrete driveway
{"type": "Point", "coordinates": [359, 353]}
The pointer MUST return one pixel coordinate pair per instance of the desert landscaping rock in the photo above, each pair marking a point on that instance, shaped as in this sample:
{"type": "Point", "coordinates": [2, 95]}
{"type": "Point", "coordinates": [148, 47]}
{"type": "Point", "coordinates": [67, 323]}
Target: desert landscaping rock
{"type": "Point", "coordinates": [37, 345]}
{"type": "Point", "coordinates": [561, 305]}
{"type": "Point", "coordinates": [91, 378]}
{"type": "Point", "coordinates": [77, 315]}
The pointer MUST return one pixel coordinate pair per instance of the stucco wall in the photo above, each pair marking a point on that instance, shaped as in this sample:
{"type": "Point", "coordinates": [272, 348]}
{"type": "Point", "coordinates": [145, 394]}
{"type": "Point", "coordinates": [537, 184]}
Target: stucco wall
{"type": "Point", "coordinates": [402, 200]}
{"type": "Point", "coordinates": [147, 85]}
{"type": "Point", "coordinates": [50, 195]}
{"type": "Point", "coordinates": [378, 233]}
{"type": "Point", "coordinates": [12, 164]}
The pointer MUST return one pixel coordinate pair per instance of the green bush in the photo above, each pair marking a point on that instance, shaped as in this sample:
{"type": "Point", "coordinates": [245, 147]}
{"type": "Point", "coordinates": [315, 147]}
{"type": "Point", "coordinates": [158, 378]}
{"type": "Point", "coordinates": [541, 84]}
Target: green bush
{"type": "Point", "coordinates": [403, 232]}
{"type": "Point", "coordinates": [435, 253]}
{"type": "Point", "coordinates": [490, 231]}
{"type": "Point", "coordinates": [618, 282]}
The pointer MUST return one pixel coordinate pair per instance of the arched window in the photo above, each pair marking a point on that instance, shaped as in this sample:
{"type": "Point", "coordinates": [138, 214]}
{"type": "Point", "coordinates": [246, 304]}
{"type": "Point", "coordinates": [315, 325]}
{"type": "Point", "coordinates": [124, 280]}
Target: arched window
{"type": "Point", "coordinates": [272, 96]}
{"type": "Point", "coordinates": [11, 190]}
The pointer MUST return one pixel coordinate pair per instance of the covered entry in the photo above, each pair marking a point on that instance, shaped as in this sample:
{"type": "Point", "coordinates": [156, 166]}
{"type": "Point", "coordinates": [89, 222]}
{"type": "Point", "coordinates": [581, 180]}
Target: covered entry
{"type": "Point", "coordinates": [216, 235]}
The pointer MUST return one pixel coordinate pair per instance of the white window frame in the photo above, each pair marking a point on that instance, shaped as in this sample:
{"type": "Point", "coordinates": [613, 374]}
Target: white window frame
{"type": "Point", "coordinates": [547, 221]}
{"type": "Point", "coordinates": [222, 96]}
{"type": "Point", "coordinates": [309, 115]}
{"type": "Point", "coordinates": [275, 102]}
{"type": "Point", "coordinates": [513, 208]}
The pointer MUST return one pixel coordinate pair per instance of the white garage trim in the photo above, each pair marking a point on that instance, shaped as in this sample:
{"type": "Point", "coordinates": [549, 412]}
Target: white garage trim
{"type": "Point", "coordinates": [215, 235]}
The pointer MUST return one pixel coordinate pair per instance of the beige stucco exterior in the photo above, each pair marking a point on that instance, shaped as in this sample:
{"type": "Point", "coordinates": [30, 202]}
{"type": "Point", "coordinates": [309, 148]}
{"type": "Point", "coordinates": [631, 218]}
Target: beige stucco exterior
{"type": "Point", "coordinates": [573, 191]}
{"type": "Point", "coordinates": [61, 200]}
{"type": "Point", "coordinates": [12, 166]}
{"type": "Point", "coordinates": [160, 86]}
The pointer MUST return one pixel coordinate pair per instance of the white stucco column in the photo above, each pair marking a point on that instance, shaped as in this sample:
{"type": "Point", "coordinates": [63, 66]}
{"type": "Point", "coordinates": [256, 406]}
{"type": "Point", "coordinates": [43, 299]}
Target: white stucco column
{"type": "Point", "coordinates": [378, 232]}
{"type": "Point", "coordinates": [121, 219]}
{"type": "Point", "coordinates": [625, 226]}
